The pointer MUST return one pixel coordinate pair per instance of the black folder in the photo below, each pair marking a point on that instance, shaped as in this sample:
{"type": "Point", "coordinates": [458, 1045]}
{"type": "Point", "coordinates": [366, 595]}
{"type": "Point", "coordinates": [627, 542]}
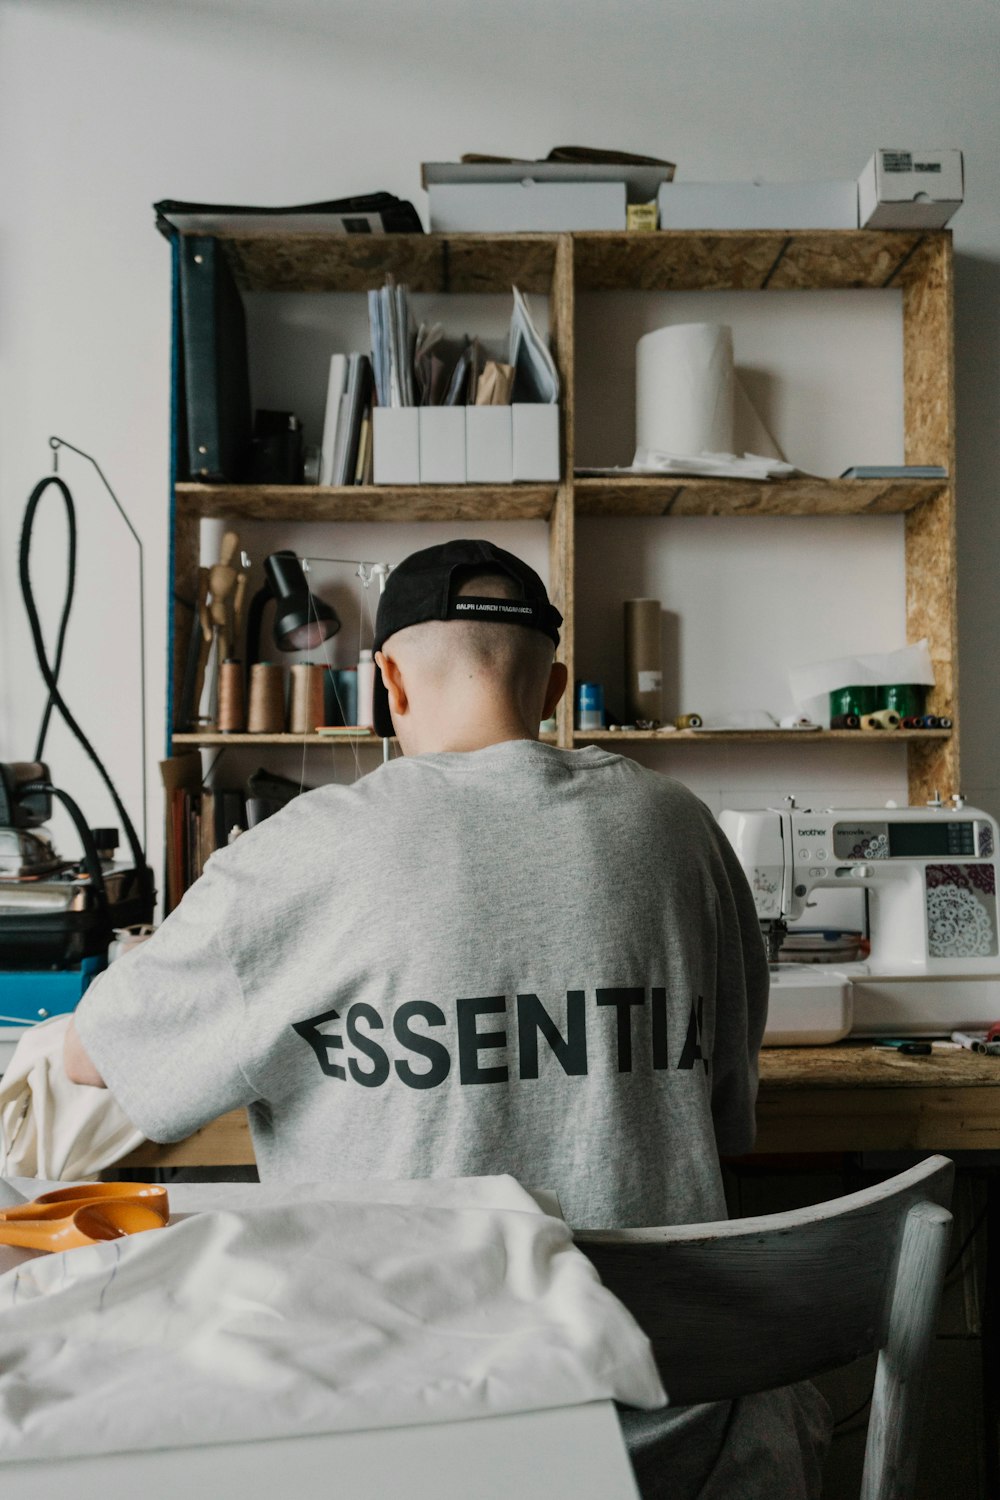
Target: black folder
{"type": "Point", "coordinates": [214, 369]}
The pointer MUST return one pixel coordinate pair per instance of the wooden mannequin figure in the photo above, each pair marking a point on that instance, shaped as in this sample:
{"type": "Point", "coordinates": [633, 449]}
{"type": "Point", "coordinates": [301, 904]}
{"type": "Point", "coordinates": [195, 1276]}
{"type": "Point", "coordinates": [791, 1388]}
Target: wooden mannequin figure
{"type": "Point", "coordinates": [220, 606]}
{"type": "Point", "coordinates": [222, 586]}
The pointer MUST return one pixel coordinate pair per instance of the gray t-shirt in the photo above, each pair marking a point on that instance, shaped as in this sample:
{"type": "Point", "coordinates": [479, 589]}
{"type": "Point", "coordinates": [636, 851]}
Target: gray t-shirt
{"type": "Point", "coordinates": [520, 959]}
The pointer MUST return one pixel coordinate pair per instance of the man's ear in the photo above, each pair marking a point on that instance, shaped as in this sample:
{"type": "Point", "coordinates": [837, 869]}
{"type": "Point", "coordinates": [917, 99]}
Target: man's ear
{"type": "Point", "coordinates": [558, 678]}
{"type": "Point", "coordinates": [394, 686]}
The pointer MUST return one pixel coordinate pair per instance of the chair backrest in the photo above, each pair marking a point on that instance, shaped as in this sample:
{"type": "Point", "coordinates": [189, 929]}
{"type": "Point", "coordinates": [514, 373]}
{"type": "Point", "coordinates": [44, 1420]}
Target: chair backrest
{"type": "Point", "coordinates": [749, 1304]}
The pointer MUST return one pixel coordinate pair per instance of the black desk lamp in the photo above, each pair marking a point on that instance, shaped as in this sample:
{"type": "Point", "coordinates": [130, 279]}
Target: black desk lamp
{"type": "Point", "coordinates": [300, 619]}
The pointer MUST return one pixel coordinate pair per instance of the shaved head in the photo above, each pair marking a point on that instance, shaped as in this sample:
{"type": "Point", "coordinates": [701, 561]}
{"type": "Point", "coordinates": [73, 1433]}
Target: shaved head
{"type": "Point", "coordinates": [511, 654]}
{"type": "Point", "coordinates": [451, 668]}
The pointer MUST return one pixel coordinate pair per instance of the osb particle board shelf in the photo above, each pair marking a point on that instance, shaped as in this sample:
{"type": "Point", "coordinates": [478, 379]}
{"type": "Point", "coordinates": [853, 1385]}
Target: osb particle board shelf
{"type": "Point", "coordinates": [668, 260]}
{"type": "Point", "coordinates": [674, 495]}
{"type": "Point", "coordinates": [758, 736]}
{"type": "Point", "coordinates": [744, 260]}
{"type": "Point", "coordinates": [382, 502]}
{"type": "Point", "coordinates": [476, 263]}
{"type": "Point", "coordinates": [212, 739]}
{"type": "Point", "coordinates": [207, 738]}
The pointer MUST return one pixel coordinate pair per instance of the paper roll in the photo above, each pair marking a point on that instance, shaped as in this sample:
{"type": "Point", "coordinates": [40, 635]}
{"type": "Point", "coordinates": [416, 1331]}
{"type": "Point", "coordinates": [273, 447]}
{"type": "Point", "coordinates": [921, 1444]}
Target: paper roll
{"type": "Point", "coordinates": [684, 389]}
{"type": "Point", "coordinates": [643, 660]}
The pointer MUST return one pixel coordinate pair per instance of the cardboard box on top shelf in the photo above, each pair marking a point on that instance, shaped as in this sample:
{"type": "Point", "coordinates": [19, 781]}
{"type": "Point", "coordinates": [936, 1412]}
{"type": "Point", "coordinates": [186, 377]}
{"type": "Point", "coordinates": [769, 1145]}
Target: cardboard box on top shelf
{"type": "Point", "coordinates": [759, 205]}
{"type": "Point", "coordinates": [910, 189]}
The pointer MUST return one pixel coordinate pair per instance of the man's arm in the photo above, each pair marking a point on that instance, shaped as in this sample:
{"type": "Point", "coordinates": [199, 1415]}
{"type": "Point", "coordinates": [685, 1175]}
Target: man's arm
{"type": "Point", "coordinates": [76, 1060]}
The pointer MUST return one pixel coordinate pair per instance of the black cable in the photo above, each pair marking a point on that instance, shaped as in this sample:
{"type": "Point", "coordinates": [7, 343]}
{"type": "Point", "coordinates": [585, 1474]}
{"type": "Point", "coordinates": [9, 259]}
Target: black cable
{"type": "Point", "coordinates": [143, 873]}
{"type": "Point", "coordinates": [70, 586]}
{"type": "Point", "coordinates": [91, 858]}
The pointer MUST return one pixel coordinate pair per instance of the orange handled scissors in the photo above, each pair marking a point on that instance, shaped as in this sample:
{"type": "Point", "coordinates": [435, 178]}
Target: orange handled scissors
{"type": "Point", "coordinates": [84, 1215]}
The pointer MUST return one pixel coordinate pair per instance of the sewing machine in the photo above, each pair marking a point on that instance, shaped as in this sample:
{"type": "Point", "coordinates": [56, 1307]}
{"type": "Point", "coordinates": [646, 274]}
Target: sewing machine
{"type": "Point", "coordinates": [929, 875]}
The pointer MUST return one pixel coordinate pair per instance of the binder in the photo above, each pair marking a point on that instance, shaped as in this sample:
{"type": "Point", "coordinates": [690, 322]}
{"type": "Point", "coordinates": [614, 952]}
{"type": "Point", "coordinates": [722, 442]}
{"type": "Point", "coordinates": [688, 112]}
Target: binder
{"type": "Point", "coordinates": [215, 374]}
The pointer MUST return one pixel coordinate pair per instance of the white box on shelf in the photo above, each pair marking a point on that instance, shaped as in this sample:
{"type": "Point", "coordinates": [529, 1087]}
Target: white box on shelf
{"type": "Point", "coordinates": [535, 441]}
{"type": "Point", "coordinates": [489, 455]}
{"type": "Point", "coordinates": [910, 189]}
{"type": "Point", "coordinates": [543, 207]}
{"type": "Point", "coordinates": [758, 205]}
{"type": "Point", "coordinates": [396, 438]}
{"type": "Point", "coordinates": [442, 444]}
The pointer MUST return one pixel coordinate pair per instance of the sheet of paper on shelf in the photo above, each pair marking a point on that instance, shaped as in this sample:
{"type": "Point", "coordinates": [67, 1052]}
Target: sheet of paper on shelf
{"type": "Point", "coordinates": [703, 465]}
{"type": "Point", "coordinates": [713, 465]}
{"type": "Point", "coordinates": [812, 684]}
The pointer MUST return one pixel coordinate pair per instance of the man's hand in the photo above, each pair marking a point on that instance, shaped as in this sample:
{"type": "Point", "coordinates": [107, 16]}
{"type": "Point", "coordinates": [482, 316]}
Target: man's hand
{"type": "Point", "coordinates": [76, 1060]}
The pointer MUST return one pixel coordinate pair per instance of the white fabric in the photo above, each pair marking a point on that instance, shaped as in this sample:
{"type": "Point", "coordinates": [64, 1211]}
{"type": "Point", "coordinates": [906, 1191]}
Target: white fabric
{"type": "Point", "coordinates": [325, 1308]}
{"type": "Point", "coordinates": [50, 1127]}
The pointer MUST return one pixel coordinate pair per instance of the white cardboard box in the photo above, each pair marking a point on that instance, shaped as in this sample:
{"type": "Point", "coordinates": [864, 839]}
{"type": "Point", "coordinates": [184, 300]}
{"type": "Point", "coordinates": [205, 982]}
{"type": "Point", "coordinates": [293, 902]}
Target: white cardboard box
{"type": "Point", "coordinates": [758, 205]}
{"type": "Point", "coordinates": [535, 433]}
{"type": "Point", "coordinates": [442, 444]}
{"type": "Point", "coordinates": [488, 445]}
{"type": "Point", "coordinates": [544, 207]}
{"type": "Point", "coordinates": [910, 189]}
{"type": "Point", "coordinates": [396, 439]}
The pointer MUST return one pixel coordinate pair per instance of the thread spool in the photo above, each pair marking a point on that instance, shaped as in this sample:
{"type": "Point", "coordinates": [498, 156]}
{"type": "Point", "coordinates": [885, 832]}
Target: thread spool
{"type": "Point", "coordinates": [688, 721]}
{"type": "Point", "coordinates": [914, 721]}
{"type": "Point", "coordinates": [643, 660]}
{"type": "Point", "coordinates": [845, 721]}
{"type": "Point", "coordinates": [905, 698]}
{"type": "Point", "coordinates": [267, 699]}
{"type": "Point", "coordinates": [305, 708]}
{"type": "Point", "coordinates": [860, 700]}
{"type": "Point", "coordinates": [231, 718]}
{"type": "Point", "coordinates": [944, 722]}
{"type": "Point", "coordinates": [884, 718]}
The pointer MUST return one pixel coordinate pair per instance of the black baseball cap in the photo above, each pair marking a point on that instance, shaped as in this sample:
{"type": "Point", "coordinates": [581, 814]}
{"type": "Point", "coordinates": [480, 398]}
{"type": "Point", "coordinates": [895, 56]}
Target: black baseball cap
{"type": "Point", "coordinates": [424, 586]}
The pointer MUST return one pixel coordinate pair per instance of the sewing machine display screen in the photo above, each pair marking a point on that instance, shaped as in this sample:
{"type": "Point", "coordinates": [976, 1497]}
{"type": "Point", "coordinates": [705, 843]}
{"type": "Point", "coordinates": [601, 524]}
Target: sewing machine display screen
{"type": "Point", "coordinates": [928, 840]}
{"type": "Point", "coordinates": [905, 840]}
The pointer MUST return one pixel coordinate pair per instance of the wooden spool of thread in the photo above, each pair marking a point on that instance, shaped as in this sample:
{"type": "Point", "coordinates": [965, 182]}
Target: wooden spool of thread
{"type": "Point", "coordinates": [267, 699]}
{"type": "Point", "coordinates": [305, 712]}
{"type": "Point", "coordinates": [231, 714]}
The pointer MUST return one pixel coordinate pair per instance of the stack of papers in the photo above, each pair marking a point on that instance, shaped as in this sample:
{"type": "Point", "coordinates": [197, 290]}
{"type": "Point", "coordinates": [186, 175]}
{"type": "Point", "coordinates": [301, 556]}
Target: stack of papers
{"type": "Point", "coordinates": [704, 465]}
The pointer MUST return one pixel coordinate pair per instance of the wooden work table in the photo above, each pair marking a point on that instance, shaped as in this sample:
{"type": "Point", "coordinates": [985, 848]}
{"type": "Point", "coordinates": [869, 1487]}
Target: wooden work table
{"type": "Point", "coordinates": [849, 1097]}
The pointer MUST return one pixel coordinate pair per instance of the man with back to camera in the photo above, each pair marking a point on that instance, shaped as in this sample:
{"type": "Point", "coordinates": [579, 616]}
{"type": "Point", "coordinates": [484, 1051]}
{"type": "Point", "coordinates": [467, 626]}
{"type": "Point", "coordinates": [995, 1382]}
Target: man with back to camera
{"type": "Point", "coordinates": [487, 956]}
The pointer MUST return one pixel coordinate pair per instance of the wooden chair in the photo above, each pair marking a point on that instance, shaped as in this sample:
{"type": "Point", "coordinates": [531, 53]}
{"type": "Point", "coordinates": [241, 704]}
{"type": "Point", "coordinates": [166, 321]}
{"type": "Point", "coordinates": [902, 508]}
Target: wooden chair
{"type": "Point", "coordinates": [750, 1304]}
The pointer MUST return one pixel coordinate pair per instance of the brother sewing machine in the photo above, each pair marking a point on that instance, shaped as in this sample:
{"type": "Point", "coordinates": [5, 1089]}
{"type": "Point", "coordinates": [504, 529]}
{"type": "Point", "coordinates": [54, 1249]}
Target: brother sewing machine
{"type": "Point", "coordinates": [930, 879]}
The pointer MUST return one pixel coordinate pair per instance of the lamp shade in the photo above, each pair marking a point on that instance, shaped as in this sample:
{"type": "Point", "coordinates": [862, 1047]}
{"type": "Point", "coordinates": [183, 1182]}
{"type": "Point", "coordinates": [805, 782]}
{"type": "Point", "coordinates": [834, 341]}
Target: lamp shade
{"type": "Point", "coordinates": [300, 619]}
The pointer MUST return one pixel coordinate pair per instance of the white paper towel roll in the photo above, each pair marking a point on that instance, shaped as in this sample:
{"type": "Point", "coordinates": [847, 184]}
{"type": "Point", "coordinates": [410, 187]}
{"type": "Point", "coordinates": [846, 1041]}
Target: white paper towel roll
{"type": "Point", "coordinates": [684, 396]}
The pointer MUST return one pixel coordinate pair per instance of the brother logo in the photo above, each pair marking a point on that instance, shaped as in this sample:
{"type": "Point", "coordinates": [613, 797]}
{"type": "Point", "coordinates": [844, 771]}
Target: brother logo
{"type": "Point", "coordinates": [812, 833]}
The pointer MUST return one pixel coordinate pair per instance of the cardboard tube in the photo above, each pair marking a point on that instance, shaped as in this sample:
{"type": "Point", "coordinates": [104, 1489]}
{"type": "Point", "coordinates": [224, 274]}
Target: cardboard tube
{"type": "Point", "coordinates": [643, 660]}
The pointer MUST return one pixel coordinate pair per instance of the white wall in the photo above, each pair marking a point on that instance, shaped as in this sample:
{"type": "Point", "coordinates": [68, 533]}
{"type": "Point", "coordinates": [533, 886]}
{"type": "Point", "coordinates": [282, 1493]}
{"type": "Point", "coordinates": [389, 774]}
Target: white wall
{"type": "Point", "coordinates": [108, 105]}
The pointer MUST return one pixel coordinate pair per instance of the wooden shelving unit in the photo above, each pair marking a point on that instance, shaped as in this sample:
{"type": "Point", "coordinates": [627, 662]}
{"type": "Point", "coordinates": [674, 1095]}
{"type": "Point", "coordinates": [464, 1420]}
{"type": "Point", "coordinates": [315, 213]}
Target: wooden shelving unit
{"type": "Point", "coordinates": [559, 266]}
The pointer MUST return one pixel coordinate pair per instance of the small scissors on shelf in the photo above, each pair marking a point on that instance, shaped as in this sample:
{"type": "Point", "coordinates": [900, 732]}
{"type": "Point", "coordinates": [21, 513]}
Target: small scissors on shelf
{"type": "Point", "coordinates": [84, 1215]}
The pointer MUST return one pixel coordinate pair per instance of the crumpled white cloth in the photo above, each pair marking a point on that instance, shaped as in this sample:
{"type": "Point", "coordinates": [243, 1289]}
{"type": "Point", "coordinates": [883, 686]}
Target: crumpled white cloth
{"type": "Point", "coordinates": [50, 1127]}
{"type": "Point", "coordinates": [321, 1310]}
